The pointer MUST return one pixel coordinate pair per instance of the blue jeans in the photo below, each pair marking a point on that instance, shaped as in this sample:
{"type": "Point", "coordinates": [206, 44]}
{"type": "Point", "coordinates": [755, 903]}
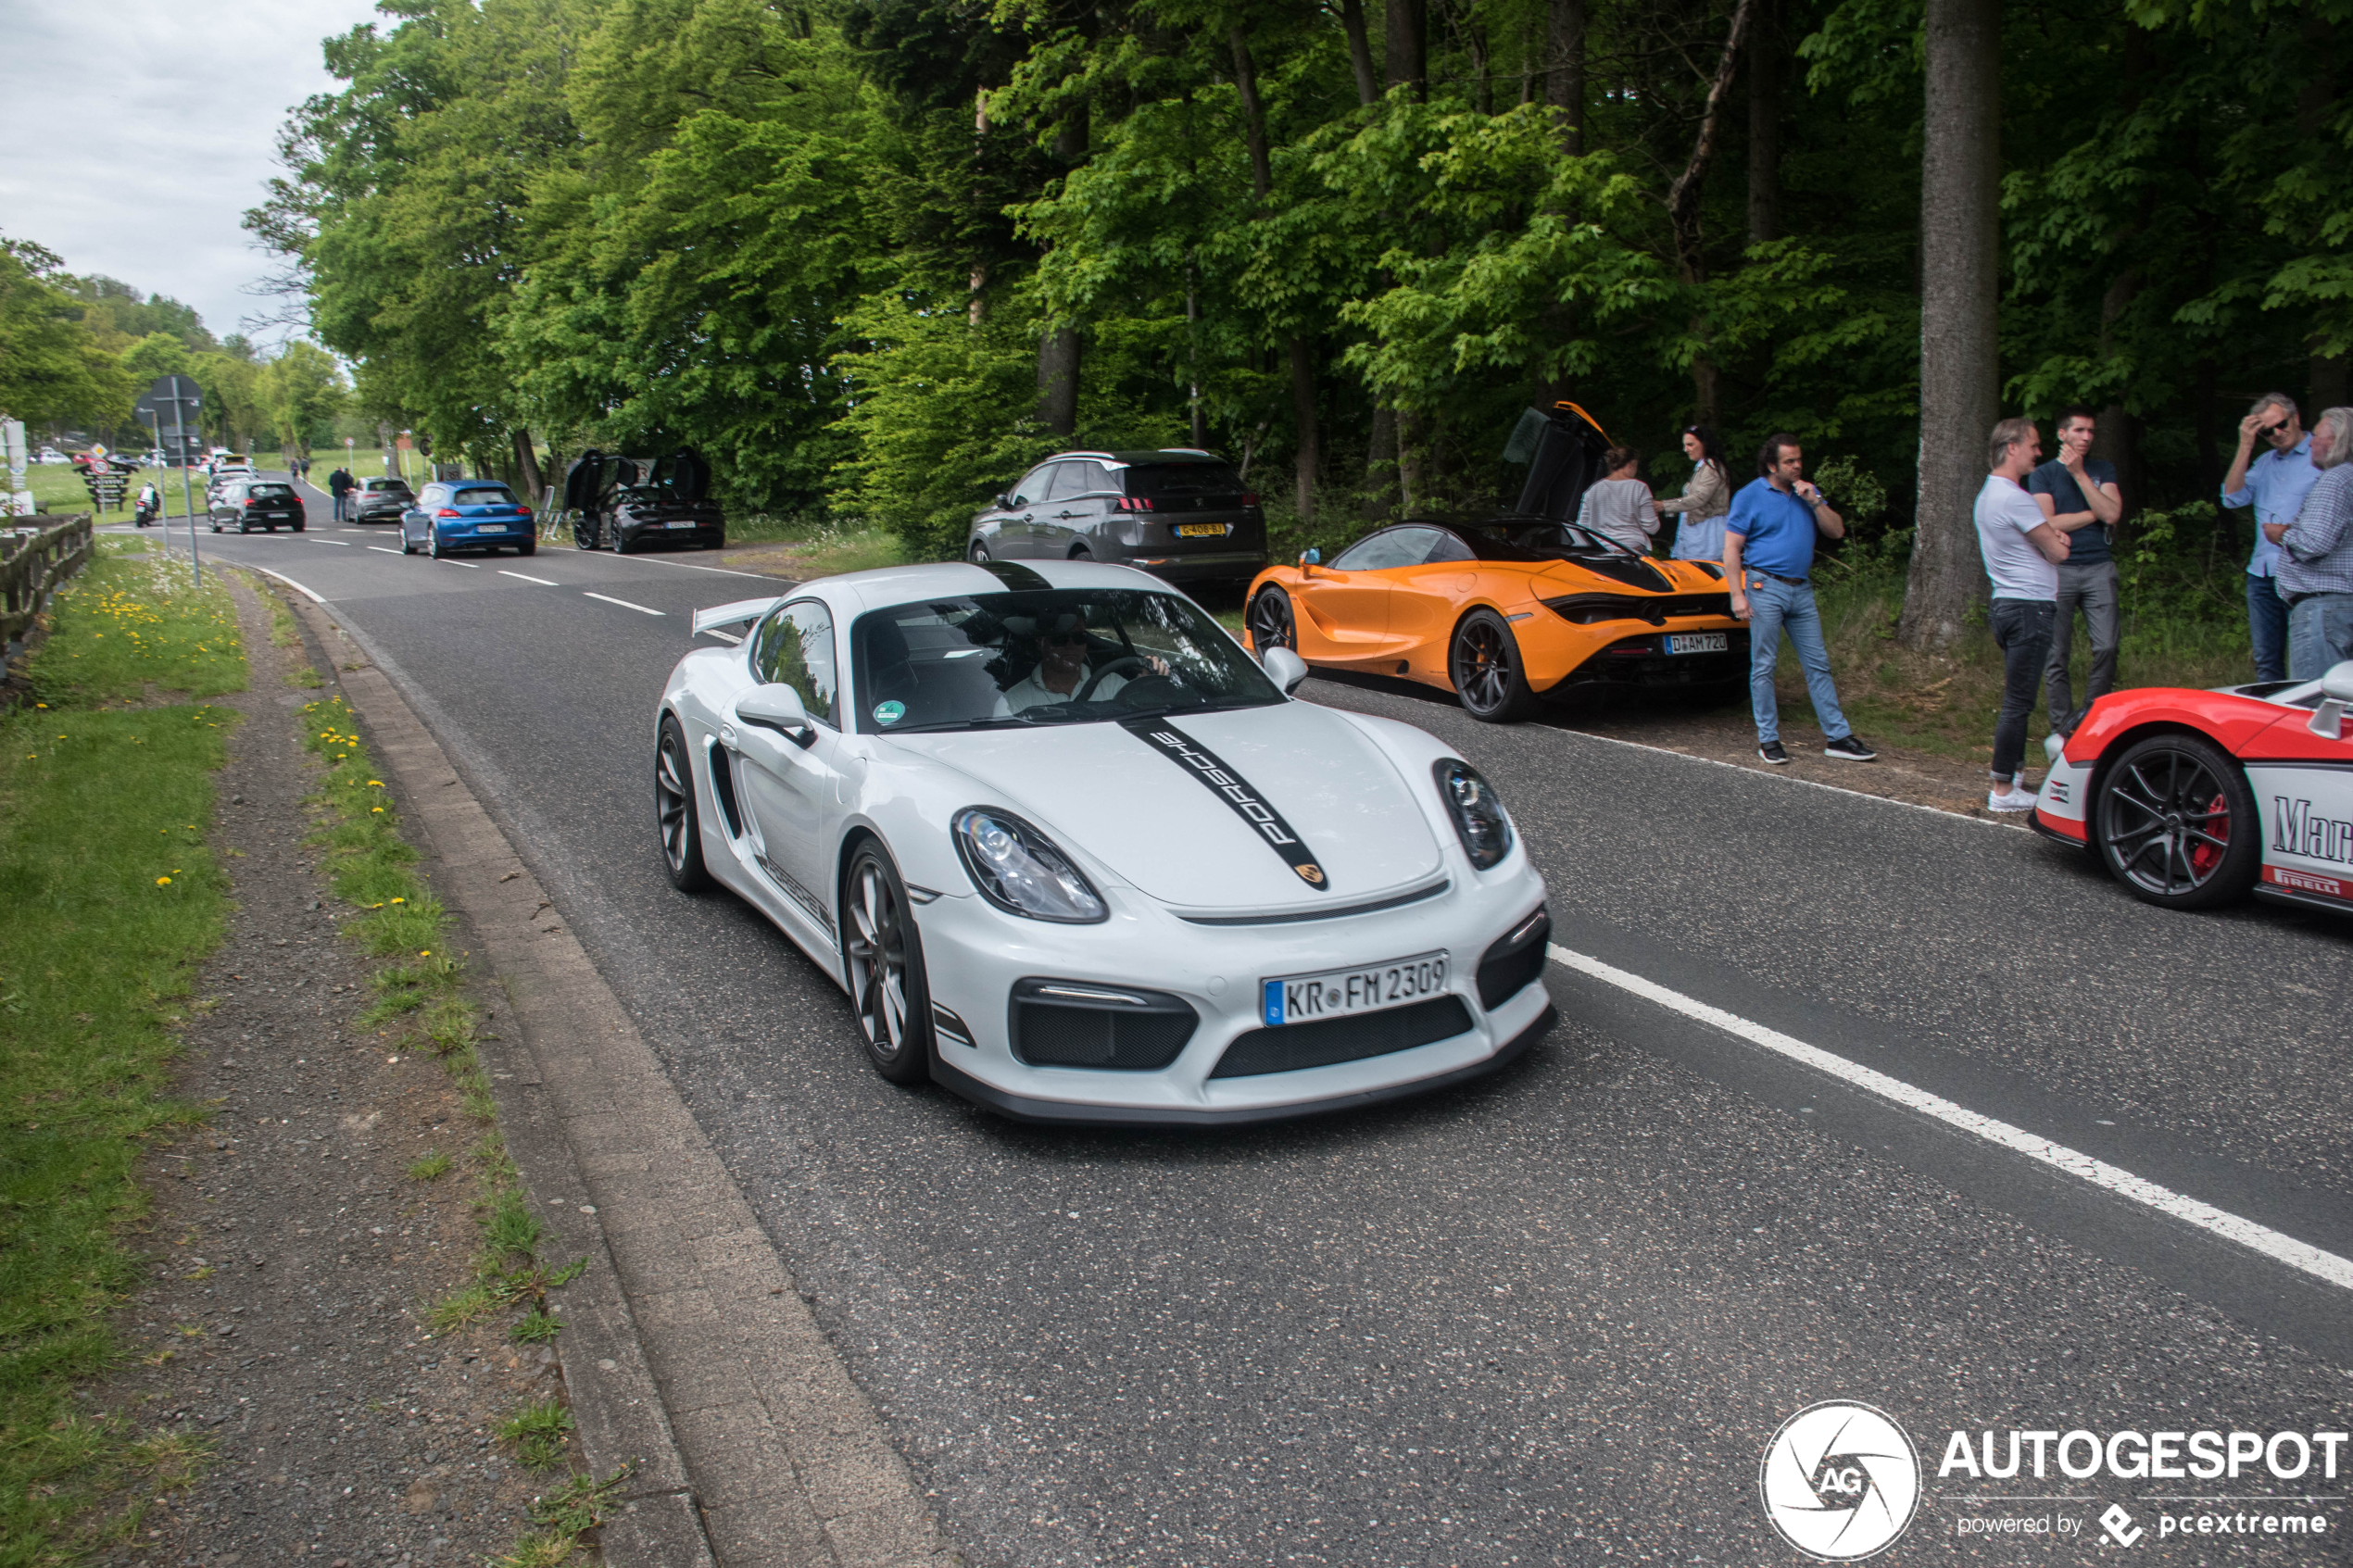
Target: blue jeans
{"type": "Point", "coordinates": [2319, 635]}
{"type": "Point", "coordinates": [2023, 629]}
{"type": "Point", "coordinates": [2267, 627]}
{"type": "Point", "coordinates": [1775, 607]}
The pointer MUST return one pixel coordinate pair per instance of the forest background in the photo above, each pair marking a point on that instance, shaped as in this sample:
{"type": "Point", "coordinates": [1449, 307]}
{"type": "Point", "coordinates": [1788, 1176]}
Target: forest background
{"type": "Point", "coordinates": [875, 257]}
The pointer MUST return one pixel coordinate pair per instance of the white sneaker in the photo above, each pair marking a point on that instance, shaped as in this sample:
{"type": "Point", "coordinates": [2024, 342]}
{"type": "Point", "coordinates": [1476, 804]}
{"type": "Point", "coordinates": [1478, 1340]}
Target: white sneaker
{"type": "Point", "coordinates": [2013, 800]}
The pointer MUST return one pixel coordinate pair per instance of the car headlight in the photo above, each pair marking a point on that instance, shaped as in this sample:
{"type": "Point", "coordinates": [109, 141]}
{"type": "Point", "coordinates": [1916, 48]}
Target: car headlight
{"type": "Point", "coordinates": [1481, 820]}
{"type": "Point", "coordinates": [1022, 872]}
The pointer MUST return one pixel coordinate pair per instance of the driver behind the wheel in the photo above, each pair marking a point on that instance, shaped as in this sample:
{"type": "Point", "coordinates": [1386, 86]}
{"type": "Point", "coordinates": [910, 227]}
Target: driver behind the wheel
{"type": "Point", "coordinates": [1060, 646]}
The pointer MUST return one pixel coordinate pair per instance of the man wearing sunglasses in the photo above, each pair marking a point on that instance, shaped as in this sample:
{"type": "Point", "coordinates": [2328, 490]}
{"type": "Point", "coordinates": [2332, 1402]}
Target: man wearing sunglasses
{"type": "Point", "coordinates": [1062, 646]}
{"type": "Point", "coordinates": [2275, 485]}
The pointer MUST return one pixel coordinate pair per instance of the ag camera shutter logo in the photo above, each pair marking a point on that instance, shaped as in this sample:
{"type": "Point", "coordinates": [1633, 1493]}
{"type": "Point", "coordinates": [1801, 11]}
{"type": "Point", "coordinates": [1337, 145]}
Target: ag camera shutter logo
{"type": "Point", "coordinates": [1840, 1480]}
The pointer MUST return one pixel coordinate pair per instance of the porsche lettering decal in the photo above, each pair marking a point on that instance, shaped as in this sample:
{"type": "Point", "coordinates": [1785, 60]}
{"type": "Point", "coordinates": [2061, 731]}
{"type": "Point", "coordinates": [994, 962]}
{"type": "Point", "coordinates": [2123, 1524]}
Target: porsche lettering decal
{"type": "Point", "coordinates": [1235, 791]}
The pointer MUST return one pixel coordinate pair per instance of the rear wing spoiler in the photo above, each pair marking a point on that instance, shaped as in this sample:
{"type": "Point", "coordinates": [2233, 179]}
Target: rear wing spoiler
{"type": "Point", "coordinates": [719, 618]}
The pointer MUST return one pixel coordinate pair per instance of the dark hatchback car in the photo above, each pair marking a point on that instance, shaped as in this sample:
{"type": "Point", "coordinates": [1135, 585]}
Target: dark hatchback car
{"type": "Point", "coordinates": [632, 504]}
{"type": "Point", "coordinates": [380, 500]}
{"type": "Point", "coordinates": [247, 503]}
{"type": "Point", "coordinates": [1181, 514]}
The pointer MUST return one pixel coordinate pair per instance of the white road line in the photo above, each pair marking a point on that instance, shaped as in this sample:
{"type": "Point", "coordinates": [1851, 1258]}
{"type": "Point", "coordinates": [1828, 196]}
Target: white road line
{"type": "Point", "coordinates": [383, 551]}
{"type": "Point", "coordinates": [690, 566]}
{"type": "Point", "coordinates": [288, 581]}
{"type": "Point", "coordinates": [2281, 1249]}
{"type": "Point", "coordinates": [338, 544]}
{"type": "Point", "coordinates": [541, 581]}
{"type": "Point", "coordinates": [470, 566]}
{"type": "Point", "coordinates": [624, 604]}
{"type": "Point", "coordinates": [1810, 784]}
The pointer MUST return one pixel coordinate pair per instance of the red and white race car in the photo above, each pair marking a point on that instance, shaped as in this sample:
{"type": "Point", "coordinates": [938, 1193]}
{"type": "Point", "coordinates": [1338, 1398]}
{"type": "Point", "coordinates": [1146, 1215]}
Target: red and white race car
{"type": "Point", "coordinates": [2197, 799]}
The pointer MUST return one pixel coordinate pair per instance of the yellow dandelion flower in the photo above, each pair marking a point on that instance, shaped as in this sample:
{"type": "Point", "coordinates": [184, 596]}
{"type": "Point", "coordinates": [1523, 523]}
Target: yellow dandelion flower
{"type": "Point", "coordinates": [163, 882]}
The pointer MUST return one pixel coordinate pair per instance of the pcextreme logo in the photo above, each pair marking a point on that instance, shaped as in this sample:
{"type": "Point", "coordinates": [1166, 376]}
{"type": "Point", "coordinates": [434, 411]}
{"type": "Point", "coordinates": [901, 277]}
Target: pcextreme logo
{"type": "Point", "coordinates": [1840, 1480]}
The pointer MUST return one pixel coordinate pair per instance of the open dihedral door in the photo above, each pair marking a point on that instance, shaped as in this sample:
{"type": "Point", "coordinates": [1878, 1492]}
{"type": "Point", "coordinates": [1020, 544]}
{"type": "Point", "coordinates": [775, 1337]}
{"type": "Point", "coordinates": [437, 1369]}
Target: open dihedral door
{"type": "Point", "coordinates": [1563, 450]}
{"type": "Point", "coordinates": [585, 499]}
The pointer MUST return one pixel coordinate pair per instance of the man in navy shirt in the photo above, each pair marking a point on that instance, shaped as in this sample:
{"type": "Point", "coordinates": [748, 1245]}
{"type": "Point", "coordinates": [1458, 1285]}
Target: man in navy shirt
{"type": "Point", "coordinates": [1769, 551]}
{"type": "Point", "coordinates": [2078, 497]}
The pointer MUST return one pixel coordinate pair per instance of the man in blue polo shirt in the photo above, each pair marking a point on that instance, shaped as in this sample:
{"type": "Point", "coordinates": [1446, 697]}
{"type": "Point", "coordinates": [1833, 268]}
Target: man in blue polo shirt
{"type": "Point", "coordinates": [1769, 551]}
{"type": "Point", "coordinates": [2275, 485]}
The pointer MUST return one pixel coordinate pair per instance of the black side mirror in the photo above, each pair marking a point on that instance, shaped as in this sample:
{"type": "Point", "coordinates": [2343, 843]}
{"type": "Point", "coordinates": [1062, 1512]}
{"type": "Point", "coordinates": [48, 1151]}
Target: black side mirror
{"type": "Point", "coordinates": [1004, 502]}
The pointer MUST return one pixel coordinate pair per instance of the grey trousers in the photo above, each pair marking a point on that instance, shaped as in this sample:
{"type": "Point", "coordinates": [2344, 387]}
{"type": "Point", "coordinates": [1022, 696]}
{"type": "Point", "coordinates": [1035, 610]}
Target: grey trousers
{"type": "Point", "coordinates": [2092, 589]}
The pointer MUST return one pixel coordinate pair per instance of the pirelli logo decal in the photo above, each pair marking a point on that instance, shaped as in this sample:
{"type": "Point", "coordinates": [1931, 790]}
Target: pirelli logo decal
{"type": "Point", "coordinates": [1234, 790]}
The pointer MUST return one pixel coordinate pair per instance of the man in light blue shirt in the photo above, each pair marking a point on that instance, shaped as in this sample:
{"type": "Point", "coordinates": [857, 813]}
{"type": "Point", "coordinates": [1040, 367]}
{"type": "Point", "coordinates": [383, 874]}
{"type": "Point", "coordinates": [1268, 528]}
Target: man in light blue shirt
{"type": "Point", "coordinates": [2275, 485]}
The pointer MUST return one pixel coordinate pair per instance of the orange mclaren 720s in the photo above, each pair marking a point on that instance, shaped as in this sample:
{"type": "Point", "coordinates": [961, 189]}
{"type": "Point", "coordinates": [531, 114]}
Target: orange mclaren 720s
{"type": "Point", "coordinates": [1503, 613]}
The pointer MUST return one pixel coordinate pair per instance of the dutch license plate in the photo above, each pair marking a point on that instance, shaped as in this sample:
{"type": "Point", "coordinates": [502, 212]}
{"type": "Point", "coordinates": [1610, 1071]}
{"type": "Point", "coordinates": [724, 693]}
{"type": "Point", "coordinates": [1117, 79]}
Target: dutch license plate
{"type": "Point", "coordinates": [1697, 642]}
{"type": "Point", "coordinates": [1200, 531]}
{"type": "Point", "coordinates": [686, 524]}
{"type": "Point", "coordinates": [1338, 993]}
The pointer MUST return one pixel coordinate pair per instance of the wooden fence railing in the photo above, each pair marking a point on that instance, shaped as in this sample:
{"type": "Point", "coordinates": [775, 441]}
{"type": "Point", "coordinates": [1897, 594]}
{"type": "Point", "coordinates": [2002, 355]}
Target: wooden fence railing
{"type": "Point", "coordinates": [31, 565]}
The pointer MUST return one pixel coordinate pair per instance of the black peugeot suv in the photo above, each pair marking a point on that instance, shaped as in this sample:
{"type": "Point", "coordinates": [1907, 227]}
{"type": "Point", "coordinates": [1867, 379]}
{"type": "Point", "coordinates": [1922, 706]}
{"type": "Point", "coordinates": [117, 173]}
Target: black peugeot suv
{"type": "Point", "coordinates": [1182, 514]}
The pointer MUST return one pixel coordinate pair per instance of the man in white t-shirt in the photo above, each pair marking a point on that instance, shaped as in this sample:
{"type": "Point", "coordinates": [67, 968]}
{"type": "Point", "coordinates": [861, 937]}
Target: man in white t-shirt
{"type": "Point", "coordinates": [2022, 550]}
{"type": "Point", "coordinates": [1061, 648]}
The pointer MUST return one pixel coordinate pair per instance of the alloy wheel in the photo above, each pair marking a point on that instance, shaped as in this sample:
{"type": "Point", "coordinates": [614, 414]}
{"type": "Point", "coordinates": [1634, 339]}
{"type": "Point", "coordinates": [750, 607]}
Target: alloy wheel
{"type": "Point", "coordinates": [1482, 667]}
{"type": "Point", "coordinates": [2166, 822]}
{"type": "Point", "coordinates": [878, 960]}
{"type": "Point", "coordinates": [1270, 622]}
{"type": "Point", "coordinates": [672, 799]}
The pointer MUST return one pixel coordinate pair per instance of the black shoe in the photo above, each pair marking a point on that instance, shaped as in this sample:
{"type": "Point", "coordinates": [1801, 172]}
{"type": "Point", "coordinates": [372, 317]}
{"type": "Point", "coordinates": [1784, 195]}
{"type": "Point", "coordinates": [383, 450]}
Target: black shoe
{"type": "Point", "coordinates": [1849, 748]}
{"type": "Point", "coordinates": [1773, 752]}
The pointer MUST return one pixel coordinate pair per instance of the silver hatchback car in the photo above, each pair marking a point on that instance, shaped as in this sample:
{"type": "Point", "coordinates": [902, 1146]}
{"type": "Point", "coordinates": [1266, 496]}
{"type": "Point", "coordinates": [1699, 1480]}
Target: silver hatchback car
{"type": "Point", "coordinates": [1182, 514]}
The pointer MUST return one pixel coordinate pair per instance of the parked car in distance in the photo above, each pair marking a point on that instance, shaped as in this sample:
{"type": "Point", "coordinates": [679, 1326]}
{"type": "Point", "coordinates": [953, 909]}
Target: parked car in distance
{"type": "Point", "coordinates": [380, 500]}
{"type": "Point", "coordinates": [1182, 514]}
{"type": "Point", "coordinates": [466, 514]}
{"type": "Point", "coordinates": [247, 503]}
{"type": "Point", "coordinates": [50, 454]}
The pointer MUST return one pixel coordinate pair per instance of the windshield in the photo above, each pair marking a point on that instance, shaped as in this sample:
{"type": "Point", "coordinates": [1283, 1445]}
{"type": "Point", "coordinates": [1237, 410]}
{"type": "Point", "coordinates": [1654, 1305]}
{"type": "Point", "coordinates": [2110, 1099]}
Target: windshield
{"type": "Point", "coordinates": [484, 495]}
{"type": "Point", "coordinates": [1168, 480]}
{"type": "Point", "coordinates": [270, 491]}
{"type": "Point", "coordinates": [385, 487]}
{"type": "Point", "coordinates": [1049, 657]}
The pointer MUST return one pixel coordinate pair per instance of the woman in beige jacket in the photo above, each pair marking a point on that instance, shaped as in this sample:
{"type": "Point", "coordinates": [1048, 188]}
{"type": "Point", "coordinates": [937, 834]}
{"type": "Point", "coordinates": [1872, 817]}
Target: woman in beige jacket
{"type": "Point", "coordinates": [1705, 501]}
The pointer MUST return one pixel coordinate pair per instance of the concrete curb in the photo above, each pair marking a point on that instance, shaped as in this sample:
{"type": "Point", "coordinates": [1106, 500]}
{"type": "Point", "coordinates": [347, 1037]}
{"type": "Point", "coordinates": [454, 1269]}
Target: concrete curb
{"type": "Point", "coordinates": [688, 1351]}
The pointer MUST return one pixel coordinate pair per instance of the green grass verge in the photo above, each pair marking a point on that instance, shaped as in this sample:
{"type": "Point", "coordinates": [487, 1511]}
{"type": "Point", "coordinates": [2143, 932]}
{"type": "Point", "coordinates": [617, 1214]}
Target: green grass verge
{"type": "Point", "coordinates": [108, 898]}
{"type": "Point", "coordinates": [419, 989]}
{"type": "Point", "coordinates": [134, 619]}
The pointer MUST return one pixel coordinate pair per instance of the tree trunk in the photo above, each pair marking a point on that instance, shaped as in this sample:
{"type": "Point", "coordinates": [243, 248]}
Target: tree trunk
{"type": "Point", "coordinates": [527, 467]}
{"type": "Point", "coordinates": [1683, 211]}
{"type": "Point", "coordinates": [1261, 185]}
{"type": "Point", "coordinates": [1413, 469]}
{"type": "Point", "coordinates": [1960, 268]}
{"type": "Point", "coordinates": [1360, 52]}
{"type": "Point", "coordinates": [1302, 403]}
{"type": "Point", "coordinates": [1058, 358]}
{"type": "Point", "coordinates": [1764, 127]}
{"type": "Point", "coordinates": [2117, 441]}
{"type": "Point", "coordinates": [2328, 383]}
{"type": "Point", "coordinates": [1380, 465]}
{"type": "Point", "coordinates": [1564, 73]}
{"type": "Point", "coordinates": [1262, 178]}
{"type": "Point", "coordinates": [1407, 33]}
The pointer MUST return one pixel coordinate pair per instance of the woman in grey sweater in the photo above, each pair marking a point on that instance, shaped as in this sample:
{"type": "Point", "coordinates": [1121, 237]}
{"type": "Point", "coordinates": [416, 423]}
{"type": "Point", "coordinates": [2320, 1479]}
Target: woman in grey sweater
{"type": "Point", "coordinates": [1619, 506]}
{"type": "Point", "coordinates": [1705, 501]}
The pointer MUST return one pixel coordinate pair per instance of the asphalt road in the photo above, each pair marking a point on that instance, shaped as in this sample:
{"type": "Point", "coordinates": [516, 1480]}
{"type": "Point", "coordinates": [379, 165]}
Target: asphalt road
{"type": "Point", "coordinates": [1550, 1317]}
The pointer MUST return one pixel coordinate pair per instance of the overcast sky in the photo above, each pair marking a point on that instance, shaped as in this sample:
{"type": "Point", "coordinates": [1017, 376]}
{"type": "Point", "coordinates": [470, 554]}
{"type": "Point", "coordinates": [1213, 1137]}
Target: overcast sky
{"type": "Point", "coordinates": [146, 128]}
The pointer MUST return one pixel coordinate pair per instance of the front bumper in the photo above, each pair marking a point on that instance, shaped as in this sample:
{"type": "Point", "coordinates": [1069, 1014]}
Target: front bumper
{"type": "Point", "coordinates": [973, 953]}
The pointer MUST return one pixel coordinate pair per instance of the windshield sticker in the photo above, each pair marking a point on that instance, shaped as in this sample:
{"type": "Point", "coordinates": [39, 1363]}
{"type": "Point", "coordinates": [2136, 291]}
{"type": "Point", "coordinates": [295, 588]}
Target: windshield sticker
{"type": "Point", "coordinates": [1234, 790]}
{"type": "Point", "coordinates": [889, 712]}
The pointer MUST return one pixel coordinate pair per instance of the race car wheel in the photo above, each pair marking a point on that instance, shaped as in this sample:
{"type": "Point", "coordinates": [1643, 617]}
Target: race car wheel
{"type": "Point", "coordinates": [1270, 622]}
{"type": "Point", "coordinates": [675, 812]}
{"type": "Point", "coordinates": [2176, 824]}
{"type": "Point", "coordinates": [885, 969]}
{"type": "Point", "coordinates": [583, 534]}
{"type": "Point", "coordinates": [1488, 673]}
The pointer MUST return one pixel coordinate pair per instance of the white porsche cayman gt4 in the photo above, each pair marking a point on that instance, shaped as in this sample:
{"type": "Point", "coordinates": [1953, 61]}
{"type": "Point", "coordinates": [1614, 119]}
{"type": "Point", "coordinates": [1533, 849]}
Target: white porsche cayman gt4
{"type": "Point", "coordinates": [1075, 855]}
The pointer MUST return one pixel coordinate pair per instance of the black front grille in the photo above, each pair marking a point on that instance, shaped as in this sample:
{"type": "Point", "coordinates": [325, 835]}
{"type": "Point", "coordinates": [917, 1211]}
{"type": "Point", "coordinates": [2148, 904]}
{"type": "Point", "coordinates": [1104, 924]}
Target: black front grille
{"type": "Point", "coordinates": [1328, 1040]}
{"type": "Point", "coordinates": [1517, 958]}
{"type": "Point", "coordinates": [1109, 1028]}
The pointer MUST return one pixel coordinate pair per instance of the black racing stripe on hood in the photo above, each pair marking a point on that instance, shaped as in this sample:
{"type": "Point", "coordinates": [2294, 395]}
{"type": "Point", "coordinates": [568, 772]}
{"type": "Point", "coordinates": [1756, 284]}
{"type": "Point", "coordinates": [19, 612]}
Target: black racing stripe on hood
{"type": "Point", "coordinates": [1238, 793]}
{"type": "Point", "coordinates": [1014, 575]}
